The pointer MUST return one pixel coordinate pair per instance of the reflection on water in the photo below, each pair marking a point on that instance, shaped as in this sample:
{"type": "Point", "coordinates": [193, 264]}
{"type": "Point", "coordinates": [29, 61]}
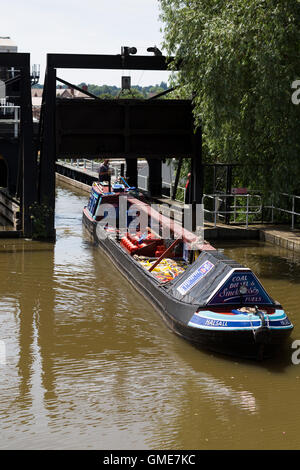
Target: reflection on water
{"type": "Point", "coordinates": [90, 364]}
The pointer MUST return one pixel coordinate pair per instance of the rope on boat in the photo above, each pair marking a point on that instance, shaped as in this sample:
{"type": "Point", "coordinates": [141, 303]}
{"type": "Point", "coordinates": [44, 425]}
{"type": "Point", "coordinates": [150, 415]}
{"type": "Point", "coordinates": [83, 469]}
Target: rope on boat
{"type": "Point", "coordinates": [253, 329]}
{"type": "Point", "coordinates": [262, 333]}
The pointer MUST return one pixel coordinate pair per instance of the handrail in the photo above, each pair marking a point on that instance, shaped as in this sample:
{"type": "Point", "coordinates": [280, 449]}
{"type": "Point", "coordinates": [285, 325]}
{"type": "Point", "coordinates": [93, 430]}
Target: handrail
{"type": "Point", "coordinates": [292, 212]}
{"type": "Point", "coordinates": [170, 185]}
{"type": "Point", "coordinates": [249, 208]}
{"type": "Point", "coordinates": [219, 198]}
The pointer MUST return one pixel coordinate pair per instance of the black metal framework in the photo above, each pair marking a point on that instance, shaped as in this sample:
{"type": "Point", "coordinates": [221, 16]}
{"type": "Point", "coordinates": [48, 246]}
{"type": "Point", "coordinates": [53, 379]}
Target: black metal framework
{"type": "Point", "coordinates": [123, 128]}
{"type": "Point", "coordinates": [27, 162]}
{"type": "Point", "coordinates": [57, 137]}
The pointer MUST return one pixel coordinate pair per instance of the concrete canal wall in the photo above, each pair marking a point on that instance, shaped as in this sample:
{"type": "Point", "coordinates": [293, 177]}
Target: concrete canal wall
{"type": "Point", "coordinates": [77, 174]}
{"type": "Point", "coordinates": [281, 236]}
{"type": "Point", "coordinates": [77, 184]}
{"type": "Point", "coordinates": [277, 235]}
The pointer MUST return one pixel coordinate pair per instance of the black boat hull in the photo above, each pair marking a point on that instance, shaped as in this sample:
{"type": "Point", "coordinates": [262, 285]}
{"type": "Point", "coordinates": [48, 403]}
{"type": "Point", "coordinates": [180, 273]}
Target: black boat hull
{"type": "Point", "coordinates": [177, 314]}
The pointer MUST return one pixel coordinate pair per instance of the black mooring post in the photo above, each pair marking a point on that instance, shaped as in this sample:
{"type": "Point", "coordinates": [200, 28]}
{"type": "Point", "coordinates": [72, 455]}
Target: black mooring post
{"type": "Point", "coordinates": [197, 168]}
{"type": "Point", "coordinates": [131, 171]}
{"type": "Point", "coordinates": [48, 151]}
{"type": "Point", "coordinates": [155, 177]}
{"type": "Point", "coordinates": [189, 189]}
{"type": "Point", "coordinates": [215, 179]}
{"type": "Point", "coordinates": [177, 178]}
{"type": "Point", "coordinates": [197, 175]}
{"type": "Point", "coordinates": [228, 191]}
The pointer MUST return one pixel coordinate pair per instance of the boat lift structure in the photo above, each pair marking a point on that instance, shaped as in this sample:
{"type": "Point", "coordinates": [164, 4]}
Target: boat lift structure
{"type": "Point", "coordinates": [17, 149]}
{"type": "Point", "coordinates": [94, 128]}
{"type": "Point", "coordinates": [154, 129]}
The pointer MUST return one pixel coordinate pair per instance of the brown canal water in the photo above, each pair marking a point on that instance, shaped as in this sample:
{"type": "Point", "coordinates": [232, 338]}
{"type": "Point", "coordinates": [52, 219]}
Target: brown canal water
{"type": "Point", "coordinates": [90, 364]}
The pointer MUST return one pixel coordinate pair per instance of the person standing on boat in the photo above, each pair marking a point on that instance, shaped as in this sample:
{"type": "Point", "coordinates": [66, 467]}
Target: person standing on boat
{"type": "Point", "coordinates": [104, 172]}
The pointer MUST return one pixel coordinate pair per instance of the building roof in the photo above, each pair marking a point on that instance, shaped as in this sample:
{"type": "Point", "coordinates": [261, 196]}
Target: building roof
{"type": "Point", "coordinates": [70, 93]}
{"type": "Point", "coordinates": [60, 92]}
{"type": "Point", "coordinates": [36, 92]}
{"type": "Point", "coordinates": [7, 45]}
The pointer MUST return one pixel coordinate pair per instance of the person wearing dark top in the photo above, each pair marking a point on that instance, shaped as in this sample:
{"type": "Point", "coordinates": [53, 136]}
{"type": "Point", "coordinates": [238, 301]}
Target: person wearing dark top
{"type": "Point", "coordinates": [104, 171]}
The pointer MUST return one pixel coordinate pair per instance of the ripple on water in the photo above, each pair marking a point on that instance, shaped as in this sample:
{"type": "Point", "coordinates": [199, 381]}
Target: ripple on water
{"type": "Point", "coordinates": [90, 364]}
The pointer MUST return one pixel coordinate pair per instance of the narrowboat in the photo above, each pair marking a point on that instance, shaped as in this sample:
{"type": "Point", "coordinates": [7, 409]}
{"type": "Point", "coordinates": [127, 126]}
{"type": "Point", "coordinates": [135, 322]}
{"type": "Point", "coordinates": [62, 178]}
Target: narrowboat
{"type": "Point", "coordinates": [205, 297]}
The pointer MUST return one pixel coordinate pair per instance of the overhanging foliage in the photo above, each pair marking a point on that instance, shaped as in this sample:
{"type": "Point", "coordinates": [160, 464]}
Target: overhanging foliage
{"type": "Point", "coordinates": [240, 59]}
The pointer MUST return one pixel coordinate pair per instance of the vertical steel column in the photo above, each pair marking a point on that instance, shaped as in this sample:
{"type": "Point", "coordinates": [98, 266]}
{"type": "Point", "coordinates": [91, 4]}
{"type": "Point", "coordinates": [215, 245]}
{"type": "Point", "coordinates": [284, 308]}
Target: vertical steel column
{"type": "Point", "coordinates": [155, 177]}
{"type": "Point", "coordinates": [131, 163]}
{"type": "Point", "coordinates": [28, 163]}
{"type": "Point", "coordinates": [197, 168]}
{"type": "Point", "coordinates": [228, 191]}
{"type": "Point", "coordinates": [215, 179]}
{"type": "Point", "coordinates": [48, 150]}
{"type": "Point", "coordinates": [196, 176]}
{"type": "Point", "coordinates": [177, 178]}
{"type": "Point", "coordinates": [131, 171]}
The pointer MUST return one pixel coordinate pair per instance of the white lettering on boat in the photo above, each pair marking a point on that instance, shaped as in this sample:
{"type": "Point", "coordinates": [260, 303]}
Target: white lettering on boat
{"type": "Point", "coordinates": [193, 279]}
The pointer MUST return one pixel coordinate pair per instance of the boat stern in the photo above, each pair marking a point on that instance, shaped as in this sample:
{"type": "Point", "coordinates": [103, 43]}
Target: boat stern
{"type": "Point", "coordinates": [255, 333]}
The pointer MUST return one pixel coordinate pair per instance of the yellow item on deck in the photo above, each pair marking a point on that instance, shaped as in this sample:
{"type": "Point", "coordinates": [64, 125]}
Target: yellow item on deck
{"type": "Point", "coordinates": [167, 269]}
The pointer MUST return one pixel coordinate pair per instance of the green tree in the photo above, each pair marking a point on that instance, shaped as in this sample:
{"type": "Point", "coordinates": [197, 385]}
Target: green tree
{"type": "Point", "coordinates": [239, 58]}
{"type": "Point", "coordinates": [112, 91]}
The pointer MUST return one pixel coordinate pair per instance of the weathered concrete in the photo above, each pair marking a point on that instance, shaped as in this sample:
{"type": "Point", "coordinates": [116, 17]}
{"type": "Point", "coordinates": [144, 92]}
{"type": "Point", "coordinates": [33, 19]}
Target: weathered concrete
{"type": "Point", "coordinates": [74, 183]}
{"type": "Point", "coordinates": [225, 232]}
{"type": "Point", "coordinates": [79, 173]}
{"type": "Point", "coordinates": [281, 236]}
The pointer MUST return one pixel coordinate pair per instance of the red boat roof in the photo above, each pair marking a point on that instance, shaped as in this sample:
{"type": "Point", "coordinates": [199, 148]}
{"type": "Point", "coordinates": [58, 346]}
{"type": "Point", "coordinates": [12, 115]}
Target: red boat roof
{"type": "Point", "coordinates": [173, 226]}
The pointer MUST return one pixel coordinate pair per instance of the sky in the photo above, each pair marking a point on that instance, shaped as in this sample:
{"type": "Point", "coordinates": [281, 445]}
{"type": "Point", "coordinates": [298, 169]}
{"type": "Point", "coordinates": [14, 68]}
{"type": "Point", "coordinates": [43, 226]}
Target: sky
{"type": "Point", "coordinates": [85, 27]}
